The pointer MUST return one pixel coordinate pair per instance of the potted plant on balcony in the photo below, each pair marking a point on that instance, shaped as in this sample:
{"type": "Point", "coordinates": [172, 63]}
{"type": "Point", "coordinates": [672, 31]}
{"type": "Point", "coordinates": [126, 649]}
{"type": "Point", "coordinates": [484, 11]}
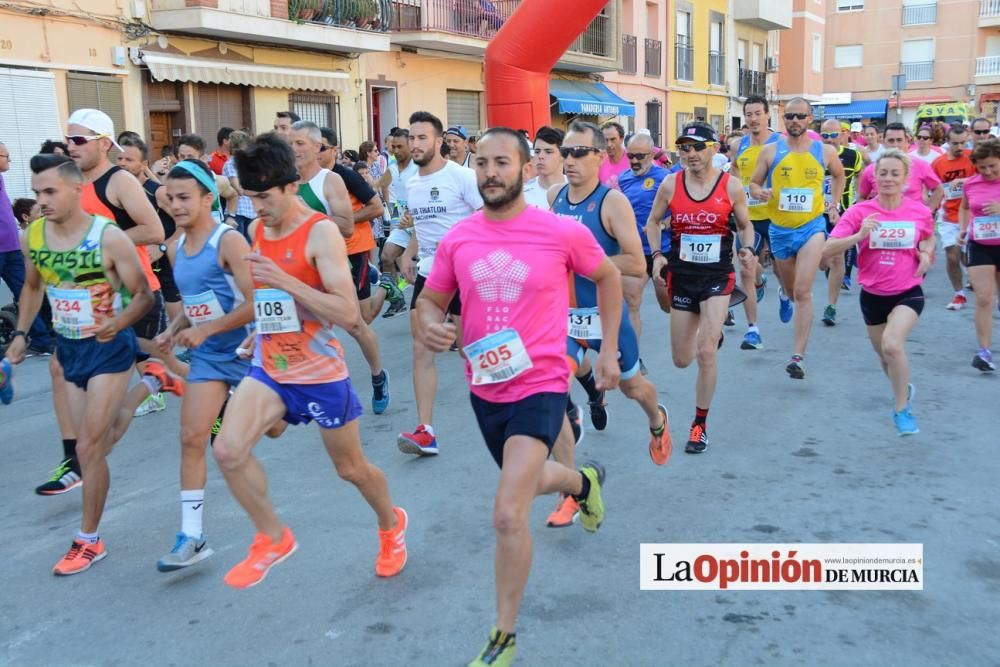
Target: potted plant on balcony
{"type": "Point", "coordinates": [359, 12]}
{"type": "Point", "coordinates": [304, 10]}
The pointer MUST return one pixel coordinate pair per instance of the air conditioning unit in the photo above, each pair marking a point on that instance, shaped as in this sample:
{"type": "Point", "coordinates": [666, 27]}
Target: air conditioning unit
{"type": "Point", "coordinates": [771, 63]}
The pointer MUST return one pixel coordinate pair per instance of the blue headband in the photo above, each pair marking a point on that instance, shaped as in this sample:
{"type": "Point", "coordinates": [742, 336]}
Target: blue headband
{"type": "Point", "coordinates": [203, 178]}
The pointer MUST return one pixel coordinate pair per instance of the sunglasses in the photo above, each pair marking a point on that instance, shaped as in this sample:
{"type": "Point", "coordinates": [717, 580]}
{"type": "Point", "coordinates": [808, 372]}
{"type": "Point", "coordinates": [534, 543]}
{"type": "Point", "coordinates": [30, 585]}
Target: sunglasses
{"type": "Point", "coordinates": [637, 156]}
{"type": "Point", "coordinates": [829, 135]}
{"type": "Point", "coordinates": [981, 132]}
{"type": "Point", "coordinates": [81, 139]}
{"type": "Point", "coordinates": [697, 146]}
{"type": "Point", "coordinates": [796, 116]}
{"type": "Point", "coordinates": [577, 151]}
{"type": "Point", "coordinates": [923, 137]}
{"type": "Point", "coordinates": [324, 148]}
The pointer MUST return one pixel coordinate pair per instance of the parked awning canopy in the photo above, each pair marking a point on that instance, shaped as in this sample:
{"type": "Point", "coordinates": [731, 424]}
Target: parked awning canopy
{"type": "Point", "coordinates": [180, 68]}
{"type": "Point", "coordinates": [855, 109]}
{"type": "Point", "coordinates": [588, 97]}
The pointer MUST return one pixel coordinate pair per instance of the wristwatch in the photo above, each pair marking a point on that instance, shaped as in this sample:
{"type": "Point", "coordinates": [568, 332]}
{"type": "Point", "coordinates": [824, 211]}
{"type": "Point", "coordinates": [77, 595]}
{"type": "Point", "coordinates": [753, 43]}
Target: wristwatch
{"type": "Point", "coordinates": [162, 248]}
{"type": "Point", "coordinates": [17, 332]}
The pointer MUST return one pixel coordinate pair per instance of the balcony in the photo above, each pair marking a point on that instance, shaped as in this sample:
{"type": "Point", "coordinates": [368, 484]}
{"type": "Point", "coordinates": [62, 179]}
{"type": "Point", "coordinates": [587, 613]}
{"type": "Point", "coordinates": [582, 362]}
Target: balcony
{"type": "Point", "coordinates": [654, 57]}
{"type": "Point", "coordinates": [989, 13]}
{"type": "Point", "coordinates": [341, 26]}
{"type": "Point", "coordinates": [920, 71]}
{"type": "Point", "coordinates": [987, 70]}
{"type": "Point", "coordinates": [752, 83]}
{"type": "Point", "coordinates": [630, 56]}
{"type": "Point", "coordinates": [920, 14]}
{"type": "Point", "coordinates": [764, 14]}
{"type": "Point", "coordinates": [716, 68]}
{"type": "Point", "coordinates": [683, 62]}
{"type": "Point", "coordinates": [466, 26]}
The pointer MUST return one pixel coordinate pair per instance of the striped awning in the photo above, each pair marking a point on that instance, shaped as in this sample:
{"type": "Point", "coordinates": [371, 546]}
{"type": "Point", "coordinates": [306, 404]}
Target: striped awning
{"type": "Point", "coordinates": [180, 68]}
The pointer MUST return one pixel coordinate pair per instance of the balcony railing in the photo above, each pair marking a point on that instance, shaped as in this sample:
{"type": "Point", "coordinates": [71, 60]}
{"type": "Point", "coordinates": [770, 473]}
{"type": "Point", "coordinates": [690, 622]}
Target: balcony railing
{"type": "Point", "coordinates": [630, 63]}
{"type": "Point", "coordinates": [988, 66]}
{"type": "Point", "coordinates": [920, 71]}
{"type": "Point", "coordinates": [920, 14]}
{"type": "Point", "coordinates": [684, 62]}
{"type": "Point", "coordinates": [989, 9]}
{"type": "Point", "coordinates": [717, 68]}
{"type": "Point", "coordinates": [654, 57]}
{"type": "Point", "coordinates": [373, 15]}
{"type": "Point", "coordinates": [594, 40]}
{"type": "Point", "coordinates": [753, 83]}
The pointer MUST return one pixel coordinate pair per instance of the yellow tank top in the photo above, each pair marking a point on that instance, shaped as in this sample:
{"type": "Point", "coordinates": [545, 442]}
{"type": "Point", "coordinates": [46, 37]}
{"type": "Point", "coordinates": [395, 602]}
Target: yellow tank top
{"type": "Point", "coordinates": [746, 162]}
{"type": "Point", "coordinates": [796, 180]}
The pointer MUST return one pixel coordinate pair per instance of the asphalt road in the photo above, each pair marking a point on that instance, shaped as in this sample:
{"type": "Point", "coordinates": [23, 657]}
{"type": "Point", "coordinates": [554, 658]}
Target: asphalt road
{"type": "Point", "coordinates": [789, 461]}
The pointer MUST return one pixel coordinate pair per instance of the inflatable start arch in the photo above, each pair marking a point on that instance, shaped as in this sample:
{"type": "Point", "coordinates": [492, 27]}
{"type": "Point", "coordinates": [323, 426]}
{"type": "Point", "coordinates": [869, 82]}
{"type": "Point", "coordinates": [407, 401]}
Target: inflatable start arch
{"type": "Point", "coordinates": [521, 56]}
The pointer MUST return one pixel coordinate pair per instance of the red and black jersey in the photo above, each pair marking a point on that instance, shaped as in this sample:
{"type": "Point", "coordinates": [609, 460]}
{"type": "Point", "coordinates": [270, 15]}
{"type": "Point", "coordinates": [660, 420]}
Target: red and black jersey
{"type": "Point", "coordinates": [702, 235]}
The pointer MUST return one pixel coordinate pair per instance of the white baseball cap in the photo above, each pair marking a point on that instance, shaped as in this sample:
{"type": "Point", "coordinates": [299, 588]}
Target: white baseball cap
{"type": "Point", "coordinates": [96, 121]}
{"type": "Point", "coordinates": [856, 127]}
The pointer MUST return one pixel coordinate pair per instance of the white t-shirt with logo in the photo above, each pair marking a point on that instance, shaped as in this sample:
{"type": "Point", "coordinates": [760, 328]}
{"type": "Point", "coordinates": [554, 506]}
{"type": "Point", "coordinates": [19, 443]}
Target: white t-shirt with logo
{"type": "Point", "coordinates": [536, 195]}
{"type": "Point", "coordinates": [437, 203]}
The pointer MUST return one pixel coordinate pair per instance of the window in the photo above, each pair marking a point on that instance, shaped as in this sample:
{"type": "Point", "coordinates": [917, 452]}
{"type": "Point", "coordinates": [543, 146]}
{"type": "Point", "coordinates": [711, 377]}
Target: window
{"type": "Point", "coordinates": [653, 108]}
{"type": "Point", "coordinates": [716, 57]}
{"type": "Point", "coordinates": [314, 107]}
{"type": "Point", "coordinates": [30, 116]}
{"type": "Point", "coordinates": [463, 109]}
{"type": "Point", "coordinates": [850, 5]}
{"type": "Point", "coordinates": [848, 56]}
{"type": "Point", "coordinates": [757, 58]}
{"type": "Point", "coordinates": [917, 58]}
{"type": "Point", "coordinates": [817, 53]}
{"type": "Point", "coordinates": [718, 123]}
{"type": "Point", "coordinates": [220, 105]}
{"type": "Point", "coordinates": [919, 12]}
{"type": "Point", "coordinates": [684, 56]}
{"type": "Point", "coordinates": [741, 54]}
{"type": "Point", "coordinates": [682, 120]}
{"type": "Point", "coordinates": [95, 91]}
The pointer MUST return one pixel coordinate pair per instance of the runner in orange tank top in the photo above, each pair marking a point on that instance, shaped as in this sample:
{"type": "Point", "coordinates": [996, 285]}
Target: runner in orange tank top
{"type": "Point", "coordinates": [302, 289]}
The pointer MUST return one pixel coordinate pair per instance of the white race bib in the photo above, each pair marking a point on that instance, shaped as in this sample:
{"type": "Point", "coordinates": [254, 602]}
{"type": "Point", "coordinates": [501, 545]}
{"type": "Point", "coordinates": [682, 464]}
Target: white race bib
{"type": "Point", "coordinates": [750, 200]}
{"type": "Point", "coordinates": [584, 324]}
{"type": "Point", "coordinates": [499, 357]}
{"type": "Point", "coordinates": [893, 236]}
{"type": "Point", "coordinates": [201, 308]}
{"type": "Point", "coordinates": [274, 312]}
{"type": "Point", "coordinates": [796, 200]}
{"type": "Point", "coordinates": [700, 248]}
{"type": "Point", "coordinates": [71, 312]}
{"type": "Point", "coordinates": [986, 227]}
{"type": "Point", "coordinates": [953, 190]}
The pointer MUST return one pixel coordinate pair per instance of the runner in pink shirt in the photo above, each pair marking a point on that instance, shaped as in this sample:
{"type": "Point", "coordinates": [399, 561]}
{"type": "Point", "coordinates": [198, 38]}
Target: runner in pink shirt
{"type": "Point", "coordinates": [921, 177]}
{"type": "Point", "coordinates": [895, 237]}
{"type": "Point", "coordinates": [510, 264]}
{"type": "Point", "coordinates": [615, 161]}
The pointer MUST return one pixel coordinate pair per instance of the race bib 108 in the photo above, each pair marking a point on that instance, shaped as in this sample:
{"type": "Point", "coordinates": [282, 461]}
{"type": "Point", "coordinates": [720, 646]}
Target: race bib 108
{"type": "Point", "coordinates": [274, 312]}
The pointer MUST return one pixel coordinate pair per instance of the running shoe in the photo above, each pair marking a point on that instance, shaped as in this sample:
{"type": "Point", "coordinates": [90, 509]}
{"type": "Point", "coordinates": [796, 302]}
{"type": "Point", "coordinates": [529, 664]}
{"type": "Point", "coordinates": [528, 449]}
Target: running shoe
{"type": "Point", "coordinates": [599, 411]}
{"type": "Point", "coordinates": [759, 289]}
{"type": "Point", "coordinates": [846, 285]}
{"type": "Point", "coordinates": [957, 302]}
{"type": "Point", "coordinates": [64, 478]}
{"type": "Point", "coordinates": [785, 307]}
{"type": "Point", "coordinates": [419, 442]}
{"type": "Point", "coordinates": [6, 382]}
{"type": "Point", "coordinates": [752, 341]}
{"type": "Point", "coordinates": [39, 350]}
{"type": "Point", "coordinates": [402, 284]}
{"type": "Point", "coordinates": [393, 293]}
{"type": "Point", "coordinates": [380, 393]}
{"type": "Point", "coordinates": [661, 446]}
{"type": "Point", "coordinates": [498, 652]}
{"type": "Point", "coordinates": [697, 439]}
{"type": "Point", "coordinates": [264, 554]}
{"type": "Point", "coordinates": [565, 513]}
{"type": "Point", "coordinates": [169, 383]}
{"type": "Point", "coordinates": [80, 557]}
{"type": "Point", "coordinates": [722, 339]}
{"type": "Point", "coordinates": [905, 422]}
{"type": "Point", "coordinates": [983, 361]}
{"type": "Point", "coordinates": [730, 319]}
{"type": "Point", "coordinates": [187, 551]}
{"type": "Point", "coordinates": [592, 507]}
{"type": "Point", "coordinates": [394, 309]}
{"type": "Point", "coordinates": [153, 403]}
{"type": "Point", "coordinates": [795, 369]}
{"type": "Point", "coordinates": [392, 546]}
{"type": "Point", "coordinates": [576, 423]}
{"type": "Point", "coordinates": [830, 316]}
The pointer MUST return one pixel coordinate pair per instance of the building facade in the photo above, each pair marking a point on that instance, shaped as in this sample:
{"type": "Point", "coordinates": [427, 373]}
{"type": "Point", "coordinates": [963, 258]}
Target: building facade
{"type": "Point", "coordinates": [753, 61]}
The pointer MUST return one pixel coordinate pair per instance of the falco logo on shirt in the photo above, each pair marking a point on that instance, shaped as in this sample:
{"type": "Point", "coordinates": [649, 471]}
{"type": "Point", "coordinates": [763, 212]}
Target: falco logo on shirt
{"type": "Point", "coordinates": [500, 279]}
{"type": "Point", "coordinates": [435, 194]}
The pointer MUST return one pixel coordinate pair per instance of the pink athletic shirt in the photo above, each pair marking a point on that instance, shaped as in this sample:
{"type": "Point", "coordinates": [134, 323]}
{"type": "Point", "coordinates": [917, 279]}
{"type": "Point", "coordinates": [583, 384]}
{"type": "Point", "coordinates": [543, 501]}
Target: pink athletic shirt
{"type": "Point", "coordinates": [921, 176]}
{"type": "Point", "coordinates": [980, 192]}
{"type": "Point", "coordinates": [882, 271]}
{"type": "Point", "coordinates": [609, 171]}
{"type": "Point", "coordinates": [515, 274]}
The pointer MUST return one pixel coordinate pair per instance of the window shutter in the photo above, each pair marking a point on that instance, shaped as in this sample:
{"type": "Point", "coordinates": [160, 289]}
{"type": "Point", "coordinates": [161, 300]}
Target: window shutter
{"type": "Point", "coordinates": [30, 116]}
{"type": "Point", "coordinates": [463, 109]}
{"type": "Point", "coordinates": [93, 91]}
{"type": "Point", "coordinates": [218, 106]}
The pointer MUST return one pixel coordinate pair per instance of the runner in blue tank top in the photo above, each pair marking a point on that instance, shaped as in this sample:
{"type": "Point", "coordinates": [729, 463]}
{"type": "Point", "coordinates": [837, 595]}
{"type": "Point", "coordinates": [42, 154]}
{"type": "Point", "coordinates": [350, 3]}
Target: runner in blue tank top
{"type": "Point", "coordinates": [217, 293]}
{"type": "Point", "coordinates": [608, 215]}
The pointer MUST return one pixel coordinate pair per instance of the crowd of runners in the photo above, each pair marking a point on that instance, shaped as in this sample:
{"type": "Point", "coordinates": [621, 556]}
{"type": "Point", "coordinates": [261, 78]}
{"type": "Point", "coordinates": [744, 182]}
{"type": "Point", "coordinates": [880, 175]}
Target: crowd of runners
{"type": "Point", "coordinates": [224, 278]}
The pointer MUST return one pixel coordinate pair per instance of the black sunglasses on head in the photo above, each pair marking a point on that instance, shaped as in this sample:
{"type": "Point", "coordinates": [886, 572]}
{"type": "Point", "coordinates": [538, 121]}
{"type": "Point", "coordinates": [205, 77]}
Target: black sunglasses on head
{"type": "Point", "coordinates": [796, 116]}
{"type": "Point", "coordinates": [577, 151]}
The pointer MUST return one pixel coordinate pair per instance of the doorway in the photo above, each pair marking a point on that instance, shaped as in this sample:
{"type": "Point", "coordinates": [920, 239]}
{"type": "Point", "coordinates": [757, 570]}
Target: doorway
{"type": "Point", "coordinates": [381, 110]}
{"type": "Point", "coordinates": [160, 133]}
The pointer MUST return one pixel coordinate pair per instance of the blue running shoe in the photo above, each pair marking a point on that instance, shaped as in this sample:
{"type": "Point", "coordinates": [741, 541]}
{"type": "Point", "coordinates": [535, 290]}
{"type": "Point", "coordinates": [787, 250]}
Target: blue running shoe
{"type": "Point", "coordinates": [380, 394]}
{"type": "Point", "coordinates": [785, 308]}
{"type": "Point", "coordinates": [846, 285]}
{"type": "Point", "coordinates": [752, 341]}
{"type": "Point", "coordinates": [6, 383]}
{"type": "Point", "coordinates": [906, 424]}
{"type": "Point", "coordinates": [759, 289]}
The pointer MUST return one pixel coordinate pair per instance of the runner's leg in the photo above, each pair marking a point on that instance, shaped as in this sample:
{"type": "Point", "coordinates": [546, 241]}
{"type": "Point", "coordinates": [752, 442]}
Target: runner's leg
{"type": "Point", "coordinates": [803, 274]}
{"type": "Point", "coordinates": [984, 285]}
{"type": "Point", "coordinates": [633, 288]}
{"type": "Point", "coordinates": [344, 448]}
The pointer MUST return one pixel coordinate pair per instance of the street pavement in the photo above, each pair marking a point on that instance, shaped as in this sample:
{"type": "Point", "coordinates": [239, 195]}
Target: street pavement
{"type": "Point", "coordinates": [789, 461]}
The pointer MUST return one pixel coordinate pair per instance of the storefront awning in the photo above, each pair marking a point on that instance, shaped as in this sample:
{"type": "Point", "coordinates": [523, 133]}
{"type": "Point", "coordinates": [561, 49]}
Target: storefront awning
{"type": "Point", "coordinates": [590, 98]}
{"type": "Point", "coordinates": [856, 109]}
{"type": "Point", "coordinates": [180, 68]}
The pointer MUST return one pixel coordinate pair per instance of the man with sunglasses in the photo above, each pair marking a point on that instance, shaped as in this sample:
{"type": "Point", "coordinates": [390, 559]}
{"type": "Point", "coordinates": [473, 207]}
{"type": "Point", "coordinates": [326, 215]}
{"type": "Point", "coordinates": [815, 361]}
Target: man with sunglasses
{"type": "Point", "coordinates": [922, 184]}
{"type": "Point", "coordinates": [980, 131]}
{"type": "Point", "coordinates": [925, 150]}
{"type": "Point", "coordinates": [953, 168]}
{"type": "Point", "coordinates": [789, 176]}
{"type": "Point", "coordinates": [746, 150]}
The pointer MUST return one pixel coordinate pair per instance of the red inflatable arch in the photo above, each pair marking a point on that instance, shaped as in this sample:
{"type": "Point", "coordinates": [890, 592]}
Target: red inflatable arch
{"type": "Point", "coordinates": [522, 55]}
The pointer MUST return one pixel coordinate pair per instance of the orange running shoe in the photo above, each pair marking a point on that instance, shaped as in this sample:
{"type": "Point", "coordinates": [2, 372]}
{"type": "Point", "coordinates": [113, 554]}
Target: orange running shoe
{"type": "Point", "coordinates": [170, 383]}
{"type": "Point", "coordinates": [264, 554]}
{"type": "Point", "coordinates": [565, 512]}
{"type": "Point", "coordinates": [392, 546]}
{"type": "Point", "coordinates": [80, 557]}
{"type": "Point", "coordinates": [661, 446]}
